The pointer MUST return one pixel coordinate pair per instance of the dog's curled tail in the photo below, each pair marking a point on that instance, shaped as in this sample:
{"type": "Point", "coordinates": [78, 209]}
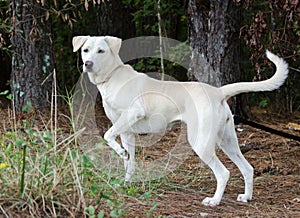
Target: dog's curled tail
{"type": "Point", "coordinates": [267, 85]}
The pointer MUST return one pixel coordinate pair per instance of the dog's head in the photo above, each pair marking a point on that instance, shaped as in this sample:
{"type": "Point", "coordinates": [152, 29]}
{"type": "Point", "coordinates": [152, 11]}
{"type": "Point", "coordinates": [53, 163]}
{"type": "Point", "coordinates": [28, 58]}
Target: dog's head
{"type": "Point", "coordinates": [98, 53]}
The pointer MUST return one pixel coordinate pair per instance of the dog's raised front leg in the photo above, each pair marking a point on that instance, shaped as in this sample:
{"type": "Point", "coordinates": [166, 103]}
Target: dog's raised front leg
{"type": "Point", "coordinates": [110, 137]}
{"type": "Point", "coordinates": [128, 142]}
{"type": "Point", "coordinates": [123, 125]}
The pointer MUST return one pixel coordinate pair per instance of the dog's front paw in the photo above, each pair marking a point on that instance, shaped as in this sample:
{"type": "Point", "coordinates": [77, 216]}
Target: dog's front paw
{"type": "Point", "coordinates": [210, 202]}
{"type": "Point", "coordinates": [124, 154]}
{"type": "Point", "coordinates": [243, 198]}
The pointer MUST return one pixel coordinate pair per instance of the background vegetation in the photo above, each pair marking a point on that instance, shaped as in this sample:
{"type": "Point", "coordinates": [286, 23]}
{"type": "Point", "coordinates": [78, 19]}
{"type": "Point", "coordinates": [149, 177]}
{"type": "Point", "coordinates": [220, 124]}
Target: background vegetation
{"type": "Point", "coordinates": [264, 25]}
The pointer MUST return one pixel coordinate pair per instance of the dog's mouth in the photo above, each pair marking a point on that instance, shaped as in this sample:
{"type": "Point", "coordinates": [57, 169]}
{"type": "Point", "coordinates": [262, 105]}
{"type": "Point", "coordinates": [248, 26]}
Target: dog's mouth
{"type": "Point", "coordinates": [88, 70]}
{"type": "Point", "coordinates": [85, 70]}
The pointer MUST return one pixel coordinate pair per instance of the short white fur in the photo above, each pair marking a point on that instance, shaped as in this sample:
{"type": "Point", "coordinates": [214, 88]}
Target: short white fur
{"type": "Point", "coordinates": [128, 104]}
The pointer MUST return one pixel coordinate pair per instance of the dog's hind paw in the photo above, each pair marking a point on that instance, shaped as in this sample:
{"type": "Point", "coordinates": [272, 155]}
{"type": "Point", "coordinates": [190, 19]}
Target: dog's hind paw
{"type": "Point", "coordinates": [210, 202]}
{"type": "Point", "coordinates": [243, 198]}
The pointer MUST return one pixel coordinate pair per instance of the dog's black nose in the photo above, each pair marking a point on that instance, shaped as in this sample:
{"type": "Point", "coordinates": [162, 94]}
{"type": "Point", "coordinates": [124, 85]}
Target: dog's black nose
{"type": "Point", "coordinates": [89, 64]}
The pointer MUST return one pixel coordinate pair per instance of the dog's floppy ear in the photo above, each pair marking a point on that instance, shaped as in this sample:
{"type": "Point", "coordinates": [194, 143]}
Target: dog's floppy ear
{"type": "Point", "coordinates": [114, 43]}
{"type": "Point", "coordinates": [78, 41]}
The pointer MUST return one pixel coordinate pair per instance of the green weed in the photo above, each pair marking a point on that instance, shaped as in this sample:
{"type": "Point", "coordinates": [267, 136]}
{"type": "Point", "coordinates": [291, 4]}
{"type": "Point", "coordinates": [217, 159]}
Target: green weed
{"type": "Point", "coordinates": [42, 176]}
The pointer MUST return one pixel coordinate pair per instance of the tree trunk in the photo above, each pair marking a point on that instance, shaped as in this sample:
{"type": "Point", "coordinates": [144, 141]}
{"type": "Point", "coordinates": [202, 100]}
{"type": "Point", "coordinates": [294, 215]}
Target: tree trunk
{"type": "Point", "coordinates": [213, 34]}
{"type": "Point", "coordinates": [33, 56]}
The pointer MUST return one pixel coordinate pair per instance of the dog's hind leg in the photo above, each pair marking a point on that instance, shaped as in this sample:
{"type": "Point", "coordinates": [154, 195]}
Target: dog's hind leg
{"type": "Point", "coordinates": [231, 148]}
{"type": "Point", "coordinates": [204, 145]}
{"type": "Point", "coordinates": [222, 176]}
{"type": "Point", "coordinates": [128, 142]}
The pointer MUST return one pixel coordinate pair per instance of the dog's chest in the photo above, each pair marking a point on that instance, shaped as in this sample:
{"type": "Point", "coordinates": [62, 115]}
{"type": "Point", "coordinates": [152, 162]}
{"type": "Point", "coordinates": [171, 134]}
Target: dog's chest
{"type": "Point", "coordinates": [108, 100]}
{"type": "Point", "coordinates": [112, 104]}
{"type": "Point", "coordinates": [107, 91]}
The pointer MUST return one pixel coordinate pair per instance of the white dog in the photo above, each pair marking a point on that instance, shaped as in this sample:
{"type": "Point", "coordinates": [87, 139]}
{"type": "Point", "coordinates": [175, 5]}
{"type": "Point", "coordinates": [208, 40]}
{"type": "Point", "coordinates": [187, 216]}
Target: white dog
{"type": "Point", "coordinates": [136, 103]}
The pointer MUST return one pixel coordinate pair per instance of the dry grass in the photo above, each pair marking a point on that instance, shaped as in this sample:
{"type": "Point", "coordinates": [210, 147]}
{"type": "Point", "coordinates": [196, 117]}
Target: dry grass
{"type": "Point", "coordinates": [60, 180]}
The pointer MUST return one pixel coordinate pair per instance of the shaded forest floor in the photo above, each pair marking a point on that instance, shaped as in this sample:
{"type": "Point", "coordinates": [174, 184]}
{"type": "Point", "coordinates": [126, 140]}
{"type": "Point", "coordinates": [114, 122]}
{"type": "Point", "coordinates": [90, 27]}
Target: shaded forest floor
{"type": "Point", "coordinates": [179, 194]}
{"type": "Point", "coordinates": [276, 161]}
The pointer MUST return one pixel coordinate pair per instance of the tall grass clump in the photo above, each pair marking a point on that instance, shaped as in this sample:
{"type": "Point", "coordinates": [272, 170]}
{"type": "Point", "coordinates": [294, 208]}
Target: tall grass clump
{"type": "Point", "coordinates": [44, 172]}
{"type": "Point", "coordinates": [35, 177]}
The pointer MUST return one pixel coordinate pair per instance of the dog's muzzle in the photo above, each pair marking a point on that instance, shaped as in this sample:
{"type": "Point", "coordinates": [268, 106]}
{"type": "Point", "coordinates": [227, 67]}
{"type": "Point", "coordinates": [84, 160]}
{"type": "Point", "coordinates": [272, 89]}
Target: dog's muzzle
{"type": "Point", "coordinates": [89, 65]}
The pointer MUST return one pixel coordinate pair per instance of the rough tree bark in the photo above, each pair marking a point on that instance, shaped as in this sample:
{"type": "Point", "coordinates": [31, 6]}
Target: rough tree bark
{"type": "Point", "coordinates": [213, 35]}
{"type": "Point", "coordinates": [33, 55]}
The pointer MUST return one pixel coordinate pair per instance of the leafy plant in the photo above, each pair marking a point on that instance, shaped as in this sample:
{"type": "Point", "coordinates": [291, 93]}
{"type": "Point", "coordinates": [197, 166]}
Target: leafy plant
{"type": "Point", "coordinates": [264, 103]}
{"type": "Point", "coordinates": [92, 212]}
{"type": "Point", "coordinates": [149, 212]}
{"type": "Point", "coordinates": [116, 208]}
{"type": "Point", "coordinates": [7, 94]}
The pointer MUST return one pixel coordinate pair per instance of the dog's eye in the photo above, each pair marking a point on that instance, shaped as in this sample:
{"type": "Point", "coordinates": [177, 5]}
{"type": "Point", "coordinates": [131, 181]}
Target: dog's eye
{"type": "Point", "coordinates": [100, 51]}
{"type": "Point", "coordinates": [85, 50]}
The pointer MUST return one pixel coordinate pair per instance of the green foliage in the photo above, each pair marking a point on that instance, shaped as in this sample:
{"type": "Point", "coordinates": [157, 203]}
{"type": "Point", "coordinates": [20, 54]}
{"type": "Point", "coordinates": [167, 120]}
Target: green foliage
{"type": "Point", "coordinates": [20, 142]}
{"type": "Point", "coordinates": [173, 24]}
{"type": "Point", "coordinates": [6, 94]}
{"type": "Point", "coordinates": [92, 212]}
{"type": "Point", "coordinates": [149, 212]}
{"type": "Point", "coordinates": [116, 208]}
{"type": "Point", "coordinates": [264, 103]}
{"type": "Point", "coordinates": [27, 107]}
{"type": "Point", "coordinates": [5, 27]}
{"type": "Point", "coordinates": [172, 13]}
{"type": "Point", "coordinates": [296, 29]}
{"type": "Point", "coordinates": [40, 171]}
{"type": "Point", "coordinates": [272, 25]}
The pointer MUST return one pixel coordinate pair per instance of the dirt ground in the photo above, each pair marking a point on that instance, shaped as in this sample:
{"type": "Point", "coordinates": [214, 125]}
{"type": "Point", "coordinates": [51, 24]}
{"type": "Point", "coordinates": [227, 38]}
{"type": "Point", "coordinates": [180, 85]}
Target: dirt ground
{"type": "Point", "coordinates": [276, 182]}
{"type": "Point", "coordinates": [277, 177]}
